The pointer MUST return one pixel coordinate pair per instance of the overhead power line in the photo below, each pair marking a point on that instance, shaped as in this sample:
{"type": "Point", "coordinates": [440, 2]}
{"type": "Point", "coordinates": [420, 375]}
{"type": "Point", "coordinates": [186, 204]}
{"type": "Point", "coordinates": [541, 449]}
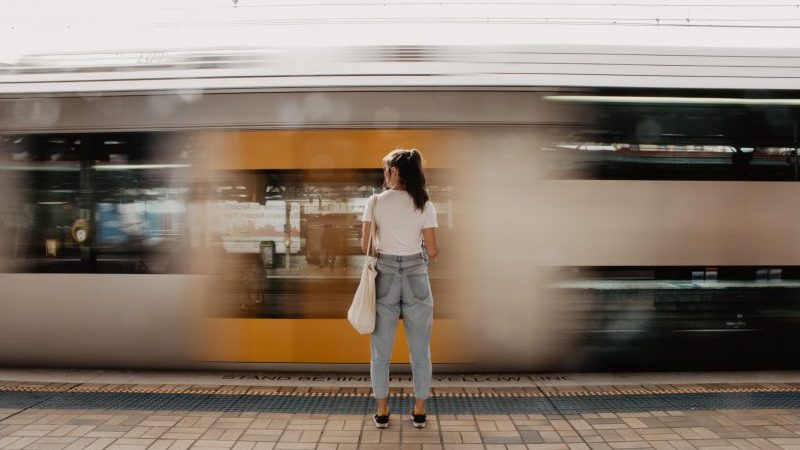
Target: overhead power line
{"type": "Point", "coordinates": [501, 3]}
{"type": "Point", "coordinates": [655, 22]}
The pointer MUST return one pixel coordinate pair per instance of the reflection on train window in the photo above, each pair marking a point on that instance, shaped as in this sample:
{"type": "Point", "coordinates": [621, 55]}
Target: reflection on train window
{"type": "Point", "coordinates": [637, 305]}
{"type": "Point", "coordinates": [654, 141]}
{"type": "Point", "coordinates": [620, 161]}
{"type": "Point", "coordinates": [291, 243]}
{"type": "Point", "coordinates": [93, 203]}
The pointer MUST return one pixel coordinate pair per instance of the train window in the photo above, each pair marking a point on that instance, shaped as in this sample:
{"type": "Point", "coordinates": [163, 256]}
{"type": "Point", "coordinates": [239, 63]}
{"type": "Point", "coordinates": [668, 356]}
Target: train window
{"type": "Point", "coordinates": [679, 142]}
{"type": "Point", "coordinates": [41, 177]}
{"type": "Point", "coordinates": [625, 161]}
{"type": "Point", "coordinates": [93, 203]}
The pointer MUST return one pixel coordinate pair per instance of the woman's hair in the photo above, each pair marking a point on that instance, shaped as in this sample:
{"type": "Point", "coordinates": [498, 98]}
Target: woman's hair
{"type": "Point", "coordinates": [409, 170]}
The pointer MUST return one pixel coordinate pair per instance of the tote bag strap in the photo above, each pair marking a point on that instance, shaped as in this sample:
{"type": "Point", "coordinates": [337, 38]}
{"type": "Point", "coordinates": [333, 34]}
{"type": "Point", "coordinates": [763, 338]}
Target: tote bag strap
{"type": "Point", "coordinates": [371, 241]}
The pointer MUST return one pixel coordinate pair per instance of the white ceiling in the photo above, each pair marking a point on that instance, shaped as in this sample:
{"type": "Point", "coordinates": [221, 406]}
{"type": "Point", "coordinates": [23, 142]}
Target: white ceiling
{"type": "Point", "coordinates": [59, 26]}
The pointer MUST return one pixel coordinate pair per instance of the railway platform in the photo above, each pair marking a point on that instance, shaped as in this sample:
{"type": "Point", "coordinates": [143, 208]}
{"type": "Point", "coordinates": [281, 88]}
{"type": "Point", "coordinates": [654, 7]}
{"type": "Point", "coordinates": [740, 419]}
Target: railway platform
{"type": "Point", "coordinates": [79, 409]}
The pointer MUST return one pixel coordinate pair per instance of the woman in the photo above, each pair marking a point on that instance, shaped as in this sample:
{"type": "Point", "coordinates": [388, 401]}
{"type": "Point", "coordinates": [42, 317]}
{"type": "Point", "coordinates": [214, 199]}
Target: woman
{"type": "Point", "coordinates": [403, 217]}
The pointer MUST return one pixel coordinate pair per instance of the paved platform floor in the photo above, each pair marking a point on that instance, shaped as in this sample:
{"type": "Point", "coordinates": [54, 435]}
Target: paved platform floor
{"type": "Point", "coordinates": [159, 410]}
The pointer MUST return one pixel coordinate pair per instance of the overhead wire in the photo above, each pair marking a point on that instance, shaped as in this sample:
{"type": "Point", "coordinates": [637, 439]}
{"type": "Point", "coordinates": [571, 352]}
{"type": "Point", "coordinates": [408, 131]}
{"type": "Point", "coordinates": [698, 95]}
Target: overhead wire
{"type": "Point", "coordinates": [484, 3]}
{"type": "Point", "coordinates": [657, 22]}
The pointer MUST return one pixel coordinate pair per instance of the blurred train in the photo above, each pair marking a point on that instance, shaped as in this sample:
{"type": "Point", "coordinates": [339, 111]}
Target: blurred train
{"type": "Point", "coordinates": [599, 208]}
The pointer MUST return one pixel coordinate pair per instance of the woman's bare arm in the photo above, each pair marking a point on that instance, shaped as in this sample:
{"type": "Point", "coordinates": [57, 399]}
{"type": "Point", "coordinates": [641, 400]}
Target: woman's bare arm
{"type": "Point", "coordinates": [431, 243]}
{"type": "Point", "coordinates": [365, 236]}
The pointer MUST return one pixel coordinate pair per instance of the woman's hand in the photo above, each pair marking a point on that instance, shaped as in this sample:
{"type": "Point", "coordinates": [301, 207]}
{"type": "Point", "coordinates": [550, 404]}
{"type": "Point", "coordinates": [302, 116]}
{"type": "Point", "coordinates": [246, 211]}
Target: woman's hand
{"type": "Point", "coordinates": [431, 243]}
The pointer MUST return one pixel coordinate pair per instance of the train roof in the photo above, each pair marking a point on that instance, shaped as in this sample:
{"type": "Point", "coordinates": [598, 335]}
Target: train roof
{"type": "Point", "coordinates": [404, 67]}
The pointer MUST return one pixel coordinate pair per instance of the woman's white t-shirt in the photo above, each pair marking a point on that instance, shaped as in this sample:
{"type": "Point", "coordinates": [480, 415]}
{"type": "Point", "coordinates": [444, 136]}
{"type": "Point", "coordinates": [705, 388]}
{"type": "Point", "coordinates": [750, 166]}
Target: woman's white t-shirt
{"type": "Point", "coordinates": [399, 222]}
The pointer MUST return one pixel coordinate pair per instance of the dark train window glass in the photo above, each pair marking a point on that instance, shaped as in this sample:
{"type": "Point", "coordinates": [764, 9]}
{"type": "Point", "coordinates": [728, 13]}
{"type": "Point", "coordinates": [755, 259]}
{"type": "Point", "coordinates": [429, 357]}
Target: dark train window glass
{"type": "Point", "coordinates": [140, 187]}
{"type": "Point", "coordinates": [105, 203]}
{"type": "Point", "coordinates": [42, 201]}
{"type": "Point", "coordinates": [651, 140]}
{"type": "Point", "coordinates": [625, 161]}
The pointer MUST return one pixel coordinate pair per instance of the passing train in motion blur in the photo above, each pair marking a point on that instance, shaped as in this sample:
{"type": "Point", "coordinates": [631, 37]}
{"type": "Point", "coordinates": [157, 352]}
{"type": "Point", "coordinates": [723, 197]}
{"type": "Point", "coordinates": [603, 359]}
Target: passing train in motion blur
{"type": "Point", "coordinates": [599, 208]}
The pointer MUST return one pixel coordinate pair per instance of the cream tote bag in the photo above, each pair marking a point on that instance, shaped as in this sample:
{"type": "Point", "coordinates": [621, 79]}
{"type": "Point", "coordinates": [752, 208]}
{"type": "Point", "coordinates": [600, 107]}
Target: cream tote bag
{"type": "Point", "coordinates": [362, 311]}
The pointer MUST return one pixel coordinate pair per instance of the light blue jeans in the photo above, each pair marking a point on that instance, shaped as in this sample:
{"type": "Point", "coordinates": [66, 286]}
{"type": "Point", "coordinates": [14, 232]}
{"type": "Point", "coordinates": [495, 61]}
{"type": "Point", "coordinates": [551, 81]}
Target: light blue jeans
{"type": "Point", "coordinates": [402, 285]}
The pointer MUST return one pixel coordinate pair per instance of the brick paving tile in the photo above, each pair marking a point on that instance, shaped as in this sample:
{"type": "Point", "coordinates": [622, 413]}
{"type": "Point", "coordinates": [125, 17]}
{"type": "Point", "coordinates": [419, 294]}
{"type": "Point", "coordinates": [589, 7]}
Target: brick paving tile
{"type": "Point", "coordinates": [681, 445]}
{"type": "Point", "coordinates": [704, 433]}
{"type": "Point", "coordinates": [213, 443]}
{"type": "Point", "coordinates": [295, 446]}
{"type": "Point", "coordinates": [736, 434]}
{"type": "Point", "coordinates": [253, 437]}
{"type": "Point", "coordinates": [134, 441]}
{"type": "Point", "coordinates": [423, 437]}
{"type": "Point", "coordinates": [107, 434]}
{"type": "Point", "coordinates": [290, 436]}
{"type": "Point", "coordinates": [580, 446]}
{"type": "Point", "coordinates": [340, 437]}
{"type": "Point", "coordinates": [161, 444]}
{"type": "Point", "coordinates": [463, 447]}
{"type": "Point", "coordinates": [502, 437]}
{"type": "Point", "coordinates": [6, 429]}
{"type": "Point", "coordinates": [743, 444]}
{"type": "Point", "coordinates": [19, 442]}
{"type": "Point", "coordinates": [391, 437]}
{"type": "Point", "coordinates": [634, 422]}
{"type": "Point", "coordinates": [310, 436]}
{"type": "Point", "coordinates": [660, 437]}
{"type": "Point", "coordinates": [113, 428]}
{"type": "Point", "coordinates": [662, 445]}
{"type": "Point", "coordinates": [656, 430]}
{"type": "Point", "coordinates": [785, 441]}
{"type": "Point", "coordinates": [159, 421]}
{"type": "Point", "coordinates": [63, 430]}
{"type": "Point", "coordinates": [79, 443]}
{"type": "Point", "coordinates": [212, 433]}
{"type": "Point", "coordinates": [199, 430]}
{"type": "Point", "coordinates": [629, 435]}
{"type": "Point", "coordinates": [137, 432]}
{"type": "Point", "coordinates": [154, 432]}
{"type": "Point", "coordinates": [432, 447]}
{"type": "Point", "coordinates": [180, 436]}
{"type": "Point", "coordinates": [369, 446]}
{"type": "Point", "coordinates": [99, 443]}
{"type": "Point", "coordinates": [550, 436]}
{"type": "Point", "coordinates": [470, 437]}
{"type": "Point", "coordinates": [710, 442]}
{"type": "Point", "coordinates": [631, 444]}
{"type": "Point", "coordinates": [487, 425]}
{"type": "Point", "coordinates": [264, 446]}
{"type": "Point", "coordinates": [763, 444]}
{"type": "Point", "coordinates": [188, 421]}
{"type": "Point", "coordinates": [599, 446]}
{"type": "Point", "coordinates": [598, 419]}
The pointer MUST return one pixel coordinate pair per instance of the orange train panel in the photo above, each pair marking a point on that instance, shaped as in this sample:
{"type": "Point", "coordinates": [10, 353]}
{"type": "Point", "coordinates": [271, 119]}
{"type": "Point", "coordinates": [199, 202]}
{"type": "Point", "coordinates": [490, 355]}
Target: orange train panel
{"type": "Point", "coordinates": [311, 341]}
{"type": "Point", "coordinates": [325, 149]}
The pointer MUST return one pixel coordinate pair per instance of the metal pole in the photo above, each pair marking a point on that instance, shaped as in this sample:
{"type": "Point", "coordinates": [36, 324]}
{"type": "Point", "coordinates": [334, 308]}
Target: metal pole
{"type": "Point", "coordinates": [796, 162]}
{"type": "Point", "coordinates": [287, 233]}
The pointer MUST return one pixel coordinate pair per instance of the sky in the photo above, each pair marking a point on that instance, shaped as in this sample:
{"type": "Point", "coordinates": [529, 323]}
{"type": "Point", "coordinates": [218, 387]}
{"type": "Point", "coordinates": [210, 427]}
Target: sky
{"type": "Point", "coordinates": [81, 26]}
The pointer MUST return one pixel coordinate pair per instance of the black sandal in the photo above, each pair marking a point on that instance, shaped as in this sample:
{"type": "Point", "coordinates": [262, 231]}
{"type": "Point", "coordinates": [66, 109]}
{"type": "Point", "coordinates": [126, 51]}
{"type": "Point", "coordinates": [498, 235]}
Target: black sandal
{"type": "Point", "coordinates": [418, 420]}
{"type": "Point", "coordinates": [381, 421]}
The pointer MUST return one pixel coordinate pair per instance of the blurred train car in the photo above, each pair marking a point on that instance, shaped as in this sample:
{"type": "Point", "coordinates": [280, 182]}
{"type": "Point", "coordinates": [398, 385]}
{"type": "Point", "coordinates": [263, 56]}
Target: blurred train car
{"type": "Point", "coordinates": [599, 208]}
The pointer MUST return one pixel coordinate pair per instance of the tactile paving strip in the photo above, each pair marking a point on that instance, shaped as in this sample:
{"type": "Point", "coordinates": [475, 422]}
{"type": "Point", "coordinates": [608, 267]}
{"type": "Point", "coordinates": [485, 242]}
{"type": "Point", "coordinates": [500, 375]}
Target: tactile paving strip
{"type": "Point", "coordinates": [333, 403]}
